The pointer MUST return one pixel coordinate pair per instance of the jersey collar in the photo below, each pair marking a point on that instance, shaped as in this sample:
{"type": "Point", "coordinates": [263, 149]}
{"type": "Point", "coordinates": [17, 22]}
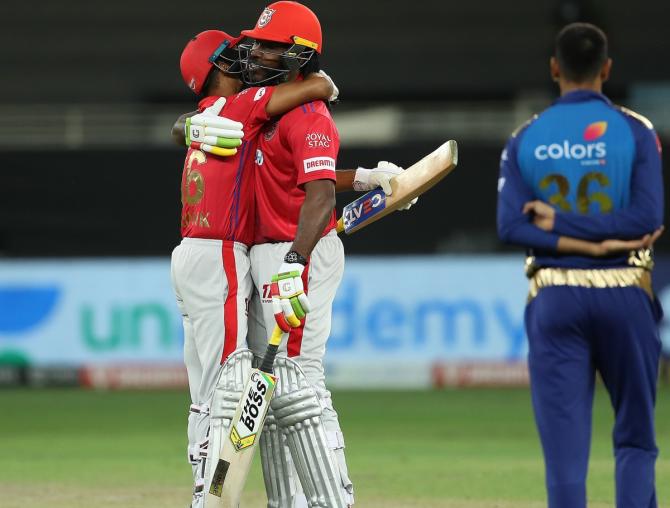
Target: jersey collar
{"type": "Point", "coordinates": [582, 96]}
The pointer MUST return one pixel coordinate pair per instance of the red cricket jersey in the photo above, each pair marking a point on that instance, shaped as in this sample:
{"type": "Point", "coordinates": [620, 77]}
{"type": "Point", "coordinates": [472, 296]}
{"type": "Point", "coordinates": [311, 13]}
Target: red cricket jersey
{"type": "Point", "coordinates": [300, 147]}
{"type": "Point", "coordinates": [217, 193]}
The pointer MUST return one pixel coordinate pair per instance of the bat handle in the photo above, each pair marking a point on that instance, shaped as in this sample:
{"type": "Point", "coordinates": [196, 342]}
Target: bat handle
{"type": "Point", "coordinates": [271, 351]}
{"type": "Point", "coordinates": [340, 225]}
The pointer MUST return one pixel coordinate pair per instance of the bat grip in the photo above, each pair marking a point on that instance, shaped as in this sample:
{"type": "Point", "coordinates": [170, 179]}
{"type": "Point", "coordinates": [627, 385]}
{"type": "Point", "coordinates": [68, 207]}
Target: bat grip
{"type": "Point", "coordinates": [271, 351]}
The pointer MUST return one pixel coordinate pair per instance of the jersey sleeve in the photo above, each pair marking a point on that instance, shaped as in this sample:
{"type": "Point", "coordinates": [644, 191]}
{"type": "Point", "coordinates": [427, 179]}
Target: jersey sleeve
{"type": "Point", "coordinates": [514, 226]}
{"type": "Point", "coordinates": [644, 213]}
{"type": "Point", "coordinates": [315, 143]}
{"type": "Point", "coordinates": [254, 101]}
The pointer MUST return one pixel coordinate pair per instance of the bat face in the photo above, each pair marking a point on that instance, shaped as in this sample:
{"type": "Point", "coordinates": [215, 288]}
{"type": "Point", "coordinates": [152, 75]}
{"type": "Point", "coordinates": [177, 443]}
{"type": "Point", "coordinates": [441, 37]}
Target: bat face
{"type": "Point", "coordinates": [244, 431]}
{"type": "Point", "coordinates": [237, 451]}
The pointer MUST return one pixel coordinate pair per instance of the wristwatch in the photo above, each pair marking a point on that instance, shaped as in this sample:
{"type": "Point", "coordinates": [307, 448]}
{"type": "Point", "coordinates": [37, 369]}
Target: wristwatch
{"type": "Point", "coordinates": [294, 257]}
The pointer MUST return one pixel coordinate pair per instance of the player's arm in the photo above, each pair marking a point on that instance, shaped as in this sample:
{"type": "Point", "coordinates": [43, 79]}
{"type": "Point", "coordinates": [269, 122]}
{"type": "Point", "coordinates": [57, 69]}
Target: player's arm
{"type": "Point", "coordinates": [344, 180]}
{"type": "Point", "coordinates": [288, 96]}
{"type": "Point", "coordinates": [643, 214]}
{"type": "Point", "coordinates": [289, 301]}
{"type": "Point", "coordinates": [315, 167]}
{"type": "Point", "coordinates": [514, 226]}
{"type": "Point", "coordinates": [314, 215]}
{"type": "Point", "coordinates": [570, 245]}
{"type": "Point", "coordinates": [179, 127]}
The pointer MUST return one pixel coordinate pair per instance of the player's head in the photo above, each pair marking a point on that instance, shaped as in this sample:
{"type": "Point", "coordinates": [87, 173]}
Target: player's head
{"type": "Point", "coordinates": [286, 41]}
{"type": "Point", "coordinates": [580, 54]}
{"type": "Point", "coordinates": [205, 55]}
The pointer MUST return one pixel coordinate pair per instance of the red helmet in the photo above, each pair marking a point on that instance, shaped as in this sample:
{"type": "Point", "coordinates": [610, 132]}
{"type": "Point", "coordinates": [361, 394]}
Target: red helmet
{"type": "Point", "coordinates": [290, 23]}
{"type": "Point", "coordinates": [200, 54]}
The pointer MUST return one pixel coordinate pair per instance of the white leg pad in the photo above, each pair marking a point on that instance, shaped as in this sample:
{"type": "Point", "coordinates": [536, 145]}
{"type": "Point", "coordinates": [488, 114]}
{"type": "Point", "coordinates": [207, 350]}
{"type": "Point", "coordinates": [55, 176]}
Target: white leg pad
{"type": "Point", "coordinates": [297, 411]}
{"type": "Point", "coordinates": [336, 443]}
{"type": "Point", "coordinates": [281, 484]}
{"type": "Point", "coordinates": [198, 429]}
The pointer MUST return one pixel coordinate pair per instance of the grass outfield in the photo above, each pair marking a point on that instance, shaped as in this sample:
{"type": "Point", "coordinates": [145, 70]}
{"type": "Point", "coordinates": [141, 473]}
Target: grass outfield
{"type": "Point", "coordinates": [460, 449]}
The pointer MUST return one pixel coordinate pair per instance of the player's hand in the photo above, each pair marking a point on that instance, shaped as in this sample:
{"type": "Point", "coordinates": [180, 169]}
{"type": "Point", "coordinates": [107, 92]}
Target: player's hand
{"type": "Point", "coordinates": [543, 214]}
{"type": "Point", "coordinates": [610, 247]}
{"type": "Point", "coordinates": [336, 91]}
{"type": "Point", "coordinates": [289, 301]}
{"type": "Point", "coordinates": [368, 179]}
{"type": "Point", "coordinates": [209, 132]}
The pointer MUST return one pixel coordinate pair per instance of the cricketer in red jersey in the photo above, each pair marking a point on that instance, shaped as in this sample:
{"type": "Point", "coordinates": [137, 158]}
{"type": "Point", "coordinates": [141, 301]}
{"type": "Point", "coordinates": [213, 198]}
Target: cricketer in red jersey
{"type": "Point", "coordinates": [298, 255]}
{"type": "Point", "coordinates": [211, 267]}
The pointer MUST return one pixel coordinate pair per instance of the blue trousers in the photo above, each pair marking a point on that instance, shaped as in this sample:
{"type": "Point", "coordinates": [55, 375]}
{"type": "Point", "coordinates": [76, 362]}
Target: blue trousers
{"type": "Point", "coordinates": [573, 332]}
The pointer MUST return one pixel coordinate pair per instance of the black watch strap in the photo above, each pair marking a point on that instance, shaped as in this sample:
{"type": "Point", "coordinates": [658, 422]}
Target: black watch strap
{"type": "Point", "coordinates": [294, 257]}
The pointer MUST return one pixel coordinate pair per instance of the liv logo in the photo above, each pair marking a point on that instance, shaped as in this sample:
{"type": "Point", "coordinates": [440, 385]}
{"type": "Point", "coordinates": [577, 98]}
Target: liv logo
{"type": "Point", "coordinates": [23, 307]}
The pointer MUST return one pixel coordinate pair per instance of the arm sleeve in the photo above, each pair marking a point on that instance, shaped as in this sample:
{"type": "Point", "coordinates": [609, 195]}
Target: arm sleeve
{"type": "Point", "coordinates": [514, 226]}
{"type": "Point", "coordinates": [256, 100]}
{"type": "Point", "coordinates": [315, 143]}
{"type": "Point", "coordinates": [644, 212]}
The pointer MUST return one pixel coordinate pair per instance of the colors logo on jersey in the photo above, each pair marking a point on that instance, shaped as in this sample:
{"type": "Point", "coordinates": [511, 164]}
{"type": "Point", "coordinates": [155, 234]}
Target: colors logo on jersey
{"type": "Point", "coordinates": [595, 131]}
{"type": "Point", "coordinates": [265, 17]}
{"type": "Point", "coordinates": [589, 154]}
{"type": "Point", "coordinates": [319, 164]}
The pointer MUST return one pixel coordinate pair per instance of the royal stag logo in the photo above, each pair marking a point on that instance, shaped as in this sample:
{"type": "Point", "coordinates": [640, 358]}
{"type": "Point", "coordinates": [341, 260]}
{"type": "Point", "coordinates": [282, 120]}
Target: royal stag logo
{"type": "Point", "coordinates": [265, 18]}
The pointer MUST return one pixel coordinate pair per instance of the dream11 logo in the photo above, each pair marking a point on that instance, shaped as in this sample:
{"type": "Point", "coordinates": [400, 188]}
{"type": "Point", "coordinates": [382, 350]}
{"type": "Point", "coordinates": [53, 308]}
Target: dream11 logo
{"type": "Point", "coordinates": [590, 153]}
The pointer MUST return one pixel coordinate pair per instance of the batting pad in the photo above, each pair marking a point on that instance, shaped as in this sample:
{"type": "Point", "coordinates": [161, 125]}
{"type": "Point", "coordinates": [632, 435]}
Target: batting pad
{"type": "Point", "coordinates": [297, 411]}
{"type": "Point", "coordinates": [279, 475]}
{"type": "Point", "coordinates": [227, 394]}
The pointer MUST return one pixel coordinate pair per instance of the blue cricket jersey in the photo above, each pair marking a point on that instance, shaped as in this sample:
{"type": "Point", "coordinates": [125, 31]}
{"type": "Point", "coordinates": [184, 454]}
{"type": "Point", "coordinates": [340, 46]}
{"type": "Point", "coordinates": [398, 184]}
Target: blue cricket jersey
{"type": "Point", "coordinates": [597, 164]}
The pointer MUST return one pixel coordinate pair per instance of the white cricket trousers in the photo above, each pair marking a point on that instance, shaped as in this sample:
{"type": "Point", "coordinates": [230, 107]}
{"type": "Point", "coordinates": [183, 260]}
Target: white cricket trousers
{"type": "Point", "coordinates": [212, 283]}
{"type": "Point", "coordinates": [307, 344]}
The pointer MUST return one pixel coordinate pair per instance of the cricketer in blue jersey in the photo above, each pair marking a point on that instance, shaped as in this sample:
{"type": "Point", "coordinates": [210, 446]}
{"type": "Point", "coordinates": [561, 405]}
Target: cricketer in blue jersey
{"type": "Point", "coordinates": [582, 172]}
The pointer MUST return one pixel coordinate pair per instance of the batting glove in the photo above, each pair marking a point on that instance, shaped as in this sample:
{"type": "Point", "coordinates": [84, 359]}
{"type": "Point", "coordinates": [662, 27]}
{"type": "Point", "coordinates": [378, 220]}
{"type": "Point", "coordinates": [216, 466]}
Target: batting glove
{"type": "Point", "coordinates": [336, 91]}
{"type": "Point", "coordinates": [209, 132]}
{"type": "Point", "coordinates": [289, 301]}
{"type": "Point", "coordinates": [368, 179]}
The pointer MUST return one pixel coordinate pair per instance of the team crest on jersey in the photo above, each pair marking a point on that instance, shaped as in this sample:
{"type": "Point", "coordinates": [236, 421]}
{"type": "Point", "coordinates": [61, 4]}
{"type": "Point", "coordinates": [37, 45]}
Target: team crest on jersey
{"type": "Point", "coordinates": [270, 131]}
{"type": "Point", "coordinates": [259, 94]}
{"type": "Point", "coordinates": [265, 18]}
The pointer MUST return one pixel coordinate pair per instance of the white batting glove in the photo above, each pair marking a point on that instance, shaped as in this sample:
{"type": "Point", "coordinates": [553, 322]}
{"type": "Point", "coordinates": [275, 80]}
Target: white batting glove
{"type": "Point", "coordinates": [368, 179]}
{"type": "Point", "coordinates": [336, 91]}
{"type": "Point", "coordinates": [289, 301]}
{"type": "Point", "coordinates": [209, 132]}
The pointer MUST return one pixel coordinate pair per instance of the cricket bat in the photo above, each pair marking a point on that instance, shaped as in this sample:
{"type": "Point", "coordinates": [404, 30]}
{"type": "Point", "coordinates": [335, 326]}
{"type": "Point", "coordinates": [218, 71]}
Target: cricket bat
{"type": "Point", "coordinates": [412, 182]}
{"type": "Point", "coordinates": [238, 448]}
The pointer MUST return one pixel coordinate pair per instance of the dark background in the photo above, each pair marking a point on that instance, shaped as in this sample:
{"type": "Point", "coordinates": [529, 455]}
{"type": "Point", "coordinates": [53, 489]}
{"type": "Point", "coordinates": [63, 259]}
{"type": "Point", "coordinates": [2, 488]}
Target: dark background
{"type": "Point", "coordinates": [124, 200]}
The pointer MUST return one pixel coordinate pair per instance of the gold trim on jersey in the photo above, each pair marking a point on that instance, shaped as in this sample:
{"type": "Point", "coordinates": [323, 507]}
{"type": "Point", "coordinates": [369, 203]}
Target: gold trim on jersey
{"type": "Point", "coordinates": [590, 278]}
